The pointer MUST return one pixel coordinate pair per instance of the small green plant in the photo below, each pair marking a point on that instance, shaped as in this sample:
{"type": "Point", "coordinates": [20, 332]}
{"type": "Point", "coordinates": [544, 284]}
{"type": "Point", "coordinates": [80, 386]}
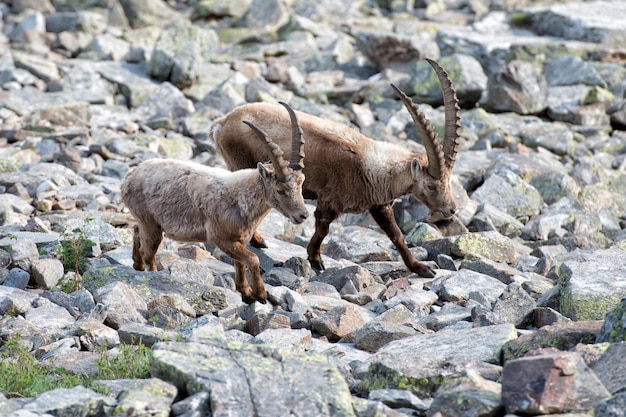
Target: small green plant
{"type": "Point", "coordinates": [21, 375]}
{"type": "Point", "coordinates": [73, 250]}
{"type": "Point", "coordinates": [132, 362]}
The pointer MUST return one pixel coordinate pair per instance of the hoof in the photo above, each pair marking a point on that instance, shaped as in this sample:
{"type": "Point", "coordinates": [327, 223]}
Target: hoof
{"type": "Point", "coordinates": [246, 296]}
{"type": "Point", "coordinates": [423, 271]}
{"type": "Point", "coordinates": [261, 297]}
{"type": "Point", "coordinates": [317, 265]}
{"type": "Point", "coordinates": [259, 245]}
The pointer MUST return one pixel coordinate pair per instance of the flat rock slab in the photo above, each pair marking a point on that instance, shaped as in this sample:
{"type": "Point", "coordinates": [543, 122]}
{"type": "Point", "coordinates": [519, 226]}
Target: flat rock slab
{"type": "Point", "coordinates": [591, 284]}
{"type": "Point", "coordinates": [595, 21]}
{"type": "Point", "coordinates": [204, 298]}
{"type": "Point", "coordinates": [421, 363]}
{"type": "Point", "coordinates": [245, 380]}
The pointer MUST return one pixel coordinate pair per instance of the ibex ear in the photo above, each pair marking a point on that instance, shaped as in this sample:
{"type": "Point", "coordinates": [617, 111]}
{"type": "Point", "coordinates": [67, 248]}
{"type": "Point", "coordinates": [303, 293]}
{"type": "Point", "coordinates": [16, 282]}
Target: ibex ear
{"type": "Point", "coordinates": [415, 167]}
{"type": "Point", "coordinates": [262, 170]}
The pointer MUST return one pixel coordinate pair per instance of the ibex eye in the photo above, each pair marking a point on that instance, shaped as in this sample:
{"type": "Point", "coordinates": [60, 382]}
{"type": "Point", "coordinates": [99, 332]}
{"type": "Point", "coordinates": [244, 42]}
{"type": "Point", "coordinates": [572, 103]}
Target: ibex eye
{"type": "Point", "coordinates": [281, 192]}
{"type": "Point", "coordinates": [431, 188]}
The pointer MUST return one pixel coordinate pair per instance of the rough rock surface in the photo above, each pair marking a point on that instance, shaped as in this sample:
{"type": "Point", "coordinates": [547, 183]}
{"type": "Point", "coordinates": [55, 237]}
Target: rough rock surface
{"type": "Point", "coordinates": [525, 314]}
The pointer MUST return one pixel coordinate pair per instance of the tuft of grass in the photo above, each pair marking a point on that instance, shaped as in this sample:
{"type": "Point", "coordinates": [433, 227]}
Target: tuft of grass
{"type": "Point", "coordinates": [73, 250]}
{"type": "Point", "coordinates": [132, 361]}
{"type": "Point", "coordinates": [21, 374]}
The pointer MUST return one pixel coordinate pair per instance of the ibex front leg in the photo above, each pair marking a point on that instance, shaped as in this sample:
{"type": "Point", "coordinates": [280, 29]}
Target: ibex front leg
{"type": "Point", "coordinates": [383, 215]}
{"type": "Point", "coordinates": [244, 258]}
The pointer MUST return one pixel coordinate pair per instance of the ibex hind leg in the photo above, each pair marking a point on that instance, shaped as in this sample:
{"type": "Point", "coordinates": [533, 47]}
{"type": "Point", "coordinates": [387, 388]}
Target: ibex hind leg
{"type": "Point", "coordinates": [323, 219]}
{"type": "Point", "coordinates": [137, 258]}
{"type": "Point", "coordinates": [148, 247]}
{"type": "Point", "coordinates": [257, 241]}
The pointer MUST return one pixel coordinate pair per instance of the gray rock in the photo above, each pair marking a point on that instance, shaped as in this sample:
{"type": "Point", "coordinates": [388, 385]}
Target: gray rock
{"type": "Point", "coordinates": [563, 336]}
{"type": "Point", "coordinates": [587, 291]}
{"type": "Point", "coordinates": [614, 325]}
{"type": "Point", "coordinates": [105, 47]}
{"type": "Point", "coordinates": [569, 70]}
{"type": "Point", "coordinates": [415, 298]}
{"type": "Point", "coordinates": [285, 277]}
{"type": "Point", "coordinates": [357, 244]}
{"type": "Point", "coordinates": [416, 360]}
{"type": "Point", "coordinates": [124, 304]}
{"type": "Point", "coordinates": [49, 316]}
{"type": "Point", "coordinates": [340, 321]}
{"type": "Point", "coordinates": [592, 22]}
{"type": "Point", "coordinates": [496, 269]}
{"type": "Point", "coordinates": [555, 137]}
{"type": "Point", "coordinates": [510, 193]}
{"type": "Point", "coordinates": [32, 21]}
{"type": "Point", "coordinates": [265, 16]}
{"type": "Point", "coordinates": [458, 285]}
{"type": "Point", "coordinates": [16, 205]}
{"type": "Point", "coordinates": [145, 13]}
{"type": "Point", "coordinates": [87, 21]}
{"type": "Point", "coordinates": [207, 8]}
{"type": "Point", "coordinates": [396, 398]}
{"type": "Point", "coordinates": [375, 334]}
{"type": "Point", "coordinates": [610, 369]}
{"type": "Point", "coordinates": [164, 106]}
{"type": "Point", "coordinates": [17, 278]}
{"type": "Point", "coordinates": [360, 277]}
{"type": "Point", "coordinates": [515, 305]}
{"type": "Point", "coordinates": [449, 315]}
{"type": "Point", "coordinates": [202, 297]}
{"type": "Point", "coordinates": [519, 87]}
{"type": "Point", "coordinates": [611, 407]}
{"type": "Point", "coordinates": [79, 400]}
{"type": "Point", "coordinates": [24, 253]}
{"type": "Point", "coordinates": [131, 79]}
{"type": "Point", "coordinates": [242, 372]}
{"type": "Point", "coordinates": [389, 50]}
{"type": "Point", "coordinates": [47, 272]}
{"type": "Point", "coordinates": [490, 218]}
{"type": "Point", "coordinates": [180, 53]}
{"type": "Point", "coordinates": [144, 334]}
{"type": "Point", "coordinates": [469, 78]}
{"type": "Point", "coordinates": [152, 396]}
{"type": "Point", "coordinates": [192, 405]}
{"type": "Point", "coordinates": [491, 245]}
{"type": "Point", "coordinates": [295, 340]}
{"type": "Point", "coordinates": [469, 394]}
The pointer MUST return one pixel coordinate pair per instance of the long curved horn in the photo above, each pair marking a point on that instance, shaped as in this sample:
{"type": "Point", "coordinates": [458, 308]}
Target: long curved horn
{"type": "Point", "coordinates": [452, 128]}
{"type": "Point", "coordinates": [281, 167]}
{"type": "Point", "coordinates": [434, 151]}
{"type": "Point", "coordinates": [296, 160]}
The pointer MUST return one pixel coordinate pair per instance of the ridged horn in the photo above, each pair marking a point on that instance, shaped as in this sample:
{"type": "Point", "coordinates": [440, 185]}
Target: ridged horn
{"type": "Point", "coordinates": [434, 151]}
{"type": "Point", "coordinates": [296, 160]}
{"type": "Point", "coordinates": [281, 167]}
{"type": "Point", "coordinates": [452, 127]}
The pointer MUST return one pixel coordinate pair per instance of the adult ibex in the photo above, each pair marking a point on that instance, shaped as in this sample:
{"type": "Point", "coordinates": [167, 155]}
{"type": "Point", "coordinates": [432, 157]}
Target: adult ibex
{"type": "Point", "coordinates": [349, 173]}
{"type": "Point", "coordinates": [190, 202]}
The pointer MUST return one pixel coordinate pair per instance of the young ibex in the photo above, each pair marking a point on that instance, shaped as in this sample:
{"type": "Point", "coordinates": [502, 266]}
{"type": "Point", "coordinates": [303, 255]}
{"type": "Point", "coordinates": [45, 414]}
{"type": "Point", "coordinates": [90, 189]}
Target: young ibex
{"type": "Point", "coordinates": [190, 202]}
{"type": "Point", "coordinates": [349, 173]}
